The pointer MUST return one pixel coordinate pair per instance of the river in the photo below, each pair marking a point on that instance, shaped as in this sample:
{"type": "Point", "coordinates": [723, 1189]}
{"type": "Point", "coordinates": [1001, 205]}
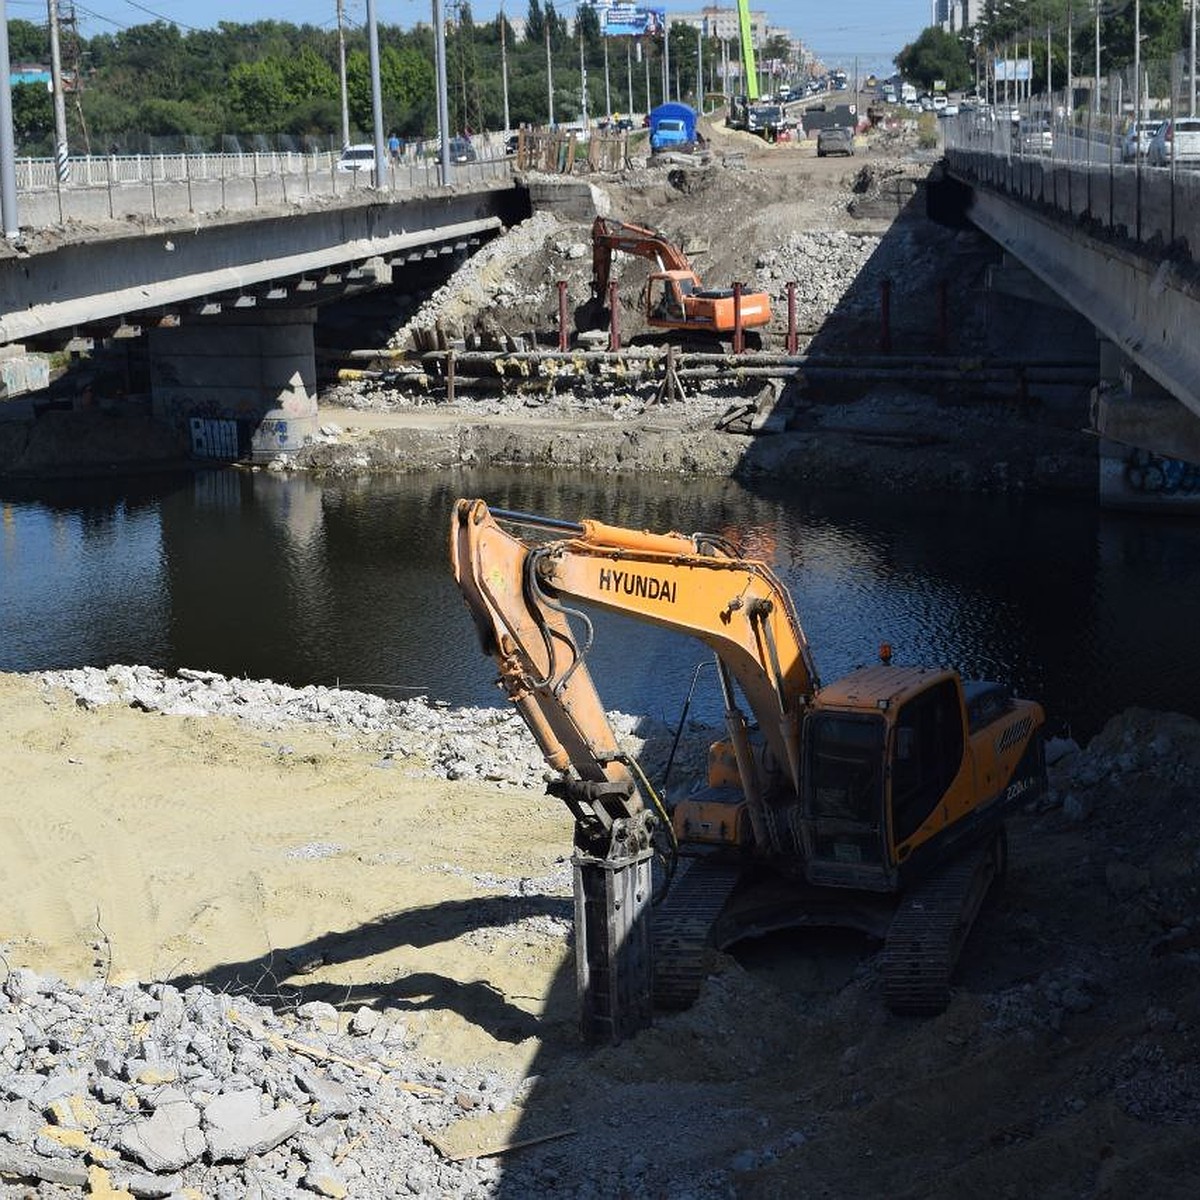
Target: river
{"type": "Point", "coordinates": [258, 574]}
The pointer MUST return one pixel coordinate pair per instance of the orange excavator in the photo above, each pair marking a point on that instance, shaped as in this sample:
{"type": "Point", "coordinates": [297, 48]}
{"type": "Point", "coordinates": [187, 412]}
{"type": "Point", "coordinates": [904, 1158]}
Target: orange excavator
{"type": "Point", "coordinates": [675, 297]}
{"type": "Point", "coordinates": [876, 802]}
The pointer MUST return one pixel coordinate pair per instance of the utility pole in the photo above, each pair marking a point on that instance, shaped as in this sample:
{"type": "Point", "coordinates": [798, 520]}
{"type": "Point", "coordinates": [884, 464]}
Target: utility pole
{"type": "Point", "coordinates": [1096, 92]}
{"type": "Point", "coordinates": [629, 73]}
{"type": "Point", "coordinates": [666, 61]}
{"type": "Point", "coordinates": [607, 90]}
{"type": "Point", "coordinates": [8, 158]}
{"type": "Point", "coordinates": [646, 60]}
{"type": "Point", "coordinates": [376, 94]}
{"type": "Point", "coordinates": [342, 74]}
{"type": "Point", "coordinates": [443, 100]}
{"type": "Point", "coordinates": [1192, 105]}
{"type": "Point", "coordinates": [61, 153]}
{"type": "Point", "coordinates": [699, 70]}
{"type": "Point", "coordinates": [549, 76]}
{"type": "Point", "coordinates": [583, 102]}
{"type": "Point", "coordinates": [504, 69]}
{"type": "Point", "coordinates": [1137, 63]}
{"type": "Point", "coordinates": [1069, 107]}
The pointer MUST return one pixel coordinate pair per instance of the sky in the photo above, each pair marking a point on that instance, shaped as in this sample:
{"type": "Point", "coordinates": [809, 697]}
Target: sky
{"type": "Point", "coordinates": [872, 30]}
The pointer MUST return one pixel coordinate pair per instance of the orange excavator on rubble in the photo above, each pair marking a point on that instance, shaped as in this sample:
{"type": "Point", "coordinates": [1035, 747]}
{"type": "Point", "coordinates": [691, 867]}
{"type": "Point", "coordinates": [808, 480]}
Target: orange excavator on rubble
{"type": "Point", "coordinates": [675, 297]}
{"type": "Point", "coordinates": [876, 802]}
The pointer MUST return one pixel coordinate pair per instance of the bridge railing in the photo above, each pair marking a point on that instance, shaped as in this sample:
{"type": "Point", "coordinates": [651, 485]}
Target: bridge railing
{"type": "Point", "coordinates": [117, 186]}
{"type": "Point", "coordinates": [1072, 151]}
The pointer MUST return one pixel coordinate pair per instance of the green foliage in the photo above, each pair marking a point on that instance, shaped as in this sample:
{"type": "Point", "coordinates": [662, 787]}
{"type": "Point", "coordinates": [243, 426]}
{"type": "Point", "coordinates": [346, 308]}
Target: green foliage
{"type": "Point", "coordinates": [162, 80]}
{"type": "Point", "coordinates": [33, 118]}
{"type": "Point", "coordinates": [936, 54]}
{"type": "Point", "coordinates": [28, 43]}
{"type": "Point", "coordinates": [307, 76]}
{"type": "Point", "coordinates": [258, 96]}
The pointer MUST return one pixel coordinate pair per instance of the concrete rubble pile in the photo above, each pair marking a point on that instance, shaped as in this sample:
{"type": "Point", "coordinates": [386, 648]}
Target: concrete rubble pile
{"type": "Point", "coordinates": [154, 1092]}
{"type": "Point", "coordinates": [489, 744]}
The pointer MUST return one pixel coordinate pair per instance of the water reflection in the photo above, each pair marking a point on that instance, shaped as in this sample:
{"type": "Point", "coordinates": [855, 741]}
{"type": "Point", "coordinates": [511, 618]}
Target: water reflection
{"type": "Point", "coordinates": [347, 581]}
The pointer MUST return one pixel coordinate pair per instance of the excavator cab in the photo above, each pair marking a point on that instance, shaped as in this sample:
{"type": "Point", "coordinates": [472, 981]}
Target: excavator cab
{"type": "Point", "coordinates": [844, 821]}
{"type": "Point", "coordinates": [665, 294]}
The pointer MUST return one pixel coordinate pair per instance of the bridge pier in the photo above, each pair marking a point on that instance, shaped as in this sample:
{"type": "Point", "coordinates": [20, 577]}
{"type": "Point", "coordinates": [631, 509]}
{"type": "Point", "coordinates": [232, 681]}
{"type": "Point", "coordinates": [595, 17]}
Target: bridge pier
{"type": "Point", "coordinates": [239, 385]}
{"type": "Point", "coordinates": [1149, 443]}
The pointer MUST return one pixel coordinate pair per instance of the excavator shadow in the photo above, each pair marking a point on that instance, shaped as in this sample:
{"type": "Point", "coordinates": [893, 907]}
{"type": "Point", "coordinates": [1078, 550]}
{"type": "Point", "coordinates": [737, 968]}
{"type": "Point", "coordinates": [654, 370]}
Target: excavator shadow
{"type": "Point", "coordinates": [280, 978]}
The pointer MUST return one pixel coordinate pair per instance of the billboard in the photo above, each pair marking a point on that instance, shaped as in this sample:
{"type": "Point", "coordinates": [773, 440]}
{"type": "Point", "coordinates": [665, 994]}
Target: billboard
{"type": "Point", "coordinates": [1005, 69]}
{"type": "Point", "coordinates": [628, 20]}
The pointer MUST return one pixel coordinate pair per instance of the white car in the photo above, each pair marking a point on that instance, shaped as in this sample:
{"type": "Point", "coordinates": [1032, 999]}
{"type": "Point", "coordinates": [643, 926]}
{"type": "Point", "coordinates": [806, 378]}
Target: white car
{"type": "Point", "coordinates": [1136, 141]}
{"type": "Point", "coordinates": [359, 157]}
{"type": "Point", "coordinates": [1175, 140]}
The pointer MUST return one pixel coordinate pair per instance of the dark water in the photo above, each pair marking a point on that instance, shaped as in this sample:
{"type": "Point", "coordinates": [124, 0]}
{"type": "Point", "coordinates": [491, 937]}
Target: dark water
{"type": "Point", "coordinates": [263, 576]}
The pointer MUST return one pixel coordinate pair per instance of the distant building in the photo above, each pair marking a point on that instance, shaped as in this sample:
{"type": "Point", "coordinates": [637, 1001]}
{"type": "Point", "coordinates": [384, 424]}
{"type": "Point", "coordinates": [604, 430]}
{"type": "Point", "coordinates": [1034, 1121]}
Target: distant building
{"type": "Point", "coordinates": [955, 15]}
{"type": "Point", "coordinates": [713, 21]}
{"type": "Point", "coordinates": [28, 73]}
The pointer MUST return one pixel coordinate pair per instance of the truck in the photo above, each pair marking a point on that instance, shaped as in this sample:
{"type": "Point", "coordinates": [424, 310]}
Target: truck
{"type": "Point", "coordinates": [675, 297]}
{"type": "Point", "coordinates": [672, 127]}
{"type": "Point", "coordinates": [876, 802]}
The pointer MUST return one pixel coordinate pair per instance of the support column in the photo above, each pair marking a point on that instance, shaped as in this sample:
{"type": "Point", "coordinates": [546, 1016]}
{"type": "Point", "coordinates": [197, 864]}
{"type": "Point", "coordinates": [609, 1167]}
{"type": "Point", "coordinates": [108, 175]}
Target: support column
{"type": "Point", "coordinates": [1149, 442]}
{"type": "Point", "coordinates": [240, 385]}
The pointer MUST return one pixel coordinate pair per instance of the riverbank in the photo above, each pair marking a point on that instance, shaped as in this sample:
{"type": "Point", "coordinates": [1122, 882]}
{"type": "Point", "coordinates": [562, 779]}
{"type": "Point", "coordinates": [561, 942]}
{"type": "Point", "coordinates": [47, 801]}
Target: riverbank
{"type": "Point", "coordinates": [350, 923]}
{"type": "Point", "coordinates": [891, 440]}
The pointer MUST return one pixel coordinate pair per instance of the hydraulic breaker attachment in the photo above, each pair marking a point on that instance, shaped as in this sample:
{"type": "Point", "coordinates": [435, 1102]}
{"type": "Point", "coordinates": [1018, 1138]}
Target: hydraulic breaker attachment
{"type": "Point", "coordinates": [614, 970]}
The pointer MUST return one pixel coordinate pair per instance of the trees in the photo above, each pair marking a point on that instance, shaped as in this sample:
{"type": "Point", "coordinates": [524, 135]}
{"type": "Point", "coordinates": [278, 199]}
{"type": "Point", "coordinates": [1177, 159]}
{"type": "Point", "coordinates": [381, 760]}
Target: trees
{"type": "Point", "coordinates": [935, 55]}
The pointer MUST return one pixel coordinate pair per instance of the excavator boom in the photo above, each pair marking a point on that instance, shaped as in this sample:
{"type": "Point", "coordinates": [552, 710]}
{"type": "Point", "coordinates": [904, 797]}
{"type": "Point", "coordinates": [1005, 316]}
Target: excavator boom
{"type": "Point", "coordinates": [518, 593]}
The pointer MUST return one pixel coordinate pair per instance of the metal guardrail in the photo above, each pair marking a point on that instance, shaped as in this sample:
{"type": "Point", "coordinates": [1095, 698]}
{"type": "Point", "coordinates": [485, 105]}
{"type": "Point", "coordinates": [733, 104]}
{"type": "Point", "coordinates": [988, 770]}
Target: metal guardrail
{"type": "Point", "coordinates": [163, 185]}
{"type": "Point", "coordinates": [1156, 207]}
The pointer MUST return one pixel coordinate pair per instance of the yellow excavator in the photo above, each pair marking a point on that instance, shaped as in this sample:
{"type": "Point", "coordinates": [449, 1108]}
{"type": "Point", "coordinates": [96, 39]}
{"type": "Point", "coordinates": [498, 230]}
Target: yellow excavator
{"type": "Point", "coordinates": [876, 802]}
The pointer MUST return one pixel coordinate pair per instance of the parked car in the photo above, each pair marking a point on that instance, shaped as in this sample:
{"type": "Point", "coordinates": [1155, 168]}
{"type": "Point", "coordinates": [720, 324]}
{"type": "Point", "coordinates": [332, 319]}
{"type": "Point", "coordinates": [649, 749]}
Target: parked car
{"type": "Point", "coordinates": [837, 139]}
{"type": "Point", "coordinates": [1136, 141]}
{"type": "Point", "coordinates": [461, 151]}
{"type": "Point", "coordinates": [1175, 140]}
{"type": "Point", "coordinates": [359, 157]}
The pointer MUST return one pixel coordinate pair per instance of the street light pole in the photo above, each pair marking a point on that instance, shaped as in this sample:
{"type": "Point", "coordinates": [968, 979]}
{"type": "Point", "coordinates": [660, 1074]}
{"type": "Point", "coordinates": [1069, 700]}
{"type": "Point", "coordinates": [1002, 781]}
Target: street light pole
{"type": "Point", "coordinates": [607, 89]}
{"type": "Point", "coordinates": [342, 74]}
{"type": "Point", "coordinates": [443, 101]}
{"type": "Point", "coordinates": [8, 158]}
{"type": "Point", "coordinates": [376, 94]}
{"type": "Point", "coordinates": [1192, 105]}
{"type": "Point", "coordinates": [549, 77]}
{"type": "Point", "coordinates": [504, 69]}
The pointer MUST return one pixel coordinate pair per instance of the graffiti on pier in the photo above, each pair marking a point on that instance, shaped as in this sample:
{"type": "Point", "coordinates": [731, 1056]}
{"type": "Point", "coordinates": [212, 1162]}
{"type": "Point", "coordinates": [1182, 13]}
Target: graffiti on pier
{"type": "Point", "coordinates": [1154, 475]}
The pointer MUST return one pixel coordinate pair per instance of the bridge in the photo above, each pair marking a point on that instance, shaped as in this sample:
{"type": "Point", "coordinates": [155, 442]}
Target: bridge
{"type": "Point", "coordinates": [1119, 243]}
{"type": "Point", "coordinates": [224, 268]}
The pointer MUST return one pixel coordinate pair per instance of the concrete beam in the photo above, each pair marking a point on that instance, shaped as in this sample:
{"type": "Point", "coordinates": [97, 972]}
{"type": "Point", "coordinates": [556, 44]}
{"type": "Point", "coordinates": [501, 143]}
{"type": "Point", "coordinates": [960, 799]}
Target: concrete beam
{"type": "Point", "coordinates": [82, 282]}
{"type": "Point", "coordinates": [1151, 311]}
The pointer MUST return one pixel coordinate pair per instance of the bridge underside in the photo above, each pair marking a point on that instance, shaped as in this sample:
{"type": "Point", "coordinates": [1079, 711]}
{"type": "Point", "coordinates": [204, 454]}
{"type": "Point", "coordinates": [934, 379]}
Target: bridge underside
{"type": "Point", "coordinates": [1117, 246]}
{"type": "Point", "coordinates": [1149, 310]}
{"type": "Point", "coordinates": [295, 259]}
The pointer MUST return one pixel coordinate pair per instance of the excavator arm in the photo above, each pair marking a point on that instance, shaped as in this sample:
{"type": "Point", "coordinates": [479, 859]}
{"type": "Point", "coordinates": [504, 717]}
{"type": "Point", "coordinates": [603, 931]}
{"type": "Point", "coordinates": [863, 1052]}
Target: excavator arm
{"type": "Point", "coordinates": [517, 592]}
{"type": "Point", "coordinates": [519, 595]}
{"type": "Point", "coordinates": [609, 235]}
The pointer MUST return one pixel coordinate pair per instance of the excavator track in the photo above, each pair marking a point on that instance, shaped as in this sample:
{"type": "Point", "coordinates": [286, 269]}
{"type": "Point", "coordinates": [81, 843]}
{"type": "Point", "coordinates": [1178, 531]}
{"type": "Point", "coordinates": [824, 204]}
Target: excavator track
{"type": "Point", "coordinates": [927, 933]}
{"type": "Point", "coordinates": [682, 930]}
